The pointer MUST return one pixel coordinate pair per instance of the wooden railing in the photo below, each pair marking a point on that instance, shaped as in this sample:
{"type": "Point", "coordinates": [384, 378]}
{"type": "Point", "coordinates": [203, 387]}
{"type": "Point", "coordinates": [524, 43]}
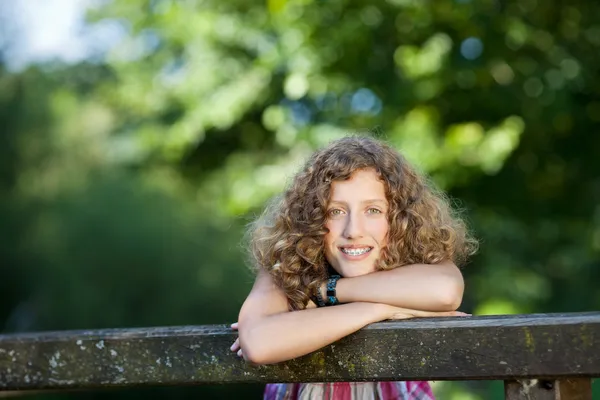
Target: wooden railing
{"type": "Point", "coordinates": [540, 356]}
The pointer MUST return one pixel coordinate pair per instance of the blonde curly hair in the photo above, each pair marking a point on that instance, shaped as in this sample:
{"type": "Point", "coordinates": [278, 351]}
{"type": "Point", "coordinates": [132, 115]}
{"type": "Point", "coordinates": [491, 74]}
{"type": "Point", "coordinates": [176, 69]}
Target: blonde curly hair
{"type": "Point", "coordinates": [287, 240]}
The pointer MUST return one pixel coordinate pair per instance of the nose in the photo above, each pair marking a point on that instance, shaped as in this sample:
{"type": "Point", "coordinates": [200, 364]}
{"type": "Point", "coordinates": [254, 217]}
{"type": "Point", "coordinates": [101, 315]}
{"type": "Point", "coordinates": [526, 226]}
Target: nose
{"type": "Point", "coordinates": [354, 227]}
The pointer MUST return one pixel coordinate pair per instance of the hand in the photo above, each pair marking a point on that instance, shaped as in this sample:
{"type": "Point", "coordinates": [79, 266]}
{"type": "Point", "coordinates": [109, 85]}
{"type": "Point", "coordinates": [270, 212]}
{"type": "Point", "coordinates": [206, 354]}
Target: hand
{"type": "Point", "coordinates": [393, 312]}
{"type": "Point", "coordinates": [235, 347]}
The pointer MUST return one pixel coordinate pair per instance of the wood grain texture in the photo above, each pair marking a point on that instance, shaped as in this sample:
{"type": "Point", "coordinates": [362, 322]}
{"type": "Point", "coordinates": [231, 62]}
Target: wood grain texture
{"type": "Point", "coordinates": [538, 389]}
{"type": "Point", "coordinates": [493, 347]}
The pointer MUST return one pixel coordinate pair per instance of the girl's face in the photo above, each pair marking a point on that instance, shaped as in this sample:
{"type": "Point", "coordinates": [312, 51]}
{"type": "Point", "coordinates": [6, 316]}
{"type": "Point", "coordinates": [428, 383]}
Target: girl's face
{"type": "Point", "coordinates": [357, 223]}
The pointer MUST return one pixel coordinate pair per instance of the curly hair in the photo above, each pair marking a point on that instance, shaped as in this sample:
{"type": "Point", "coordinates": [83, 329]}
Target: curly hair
{"type": "Point", "coordinates": [287, 240]}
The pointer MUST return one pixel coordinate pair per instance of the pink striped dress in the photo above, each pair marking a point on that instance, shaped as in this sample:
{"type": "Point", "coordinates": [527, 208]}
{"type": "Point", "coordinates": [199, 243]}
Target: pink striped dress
{"type": "Point", "coordinates": [417, 390]}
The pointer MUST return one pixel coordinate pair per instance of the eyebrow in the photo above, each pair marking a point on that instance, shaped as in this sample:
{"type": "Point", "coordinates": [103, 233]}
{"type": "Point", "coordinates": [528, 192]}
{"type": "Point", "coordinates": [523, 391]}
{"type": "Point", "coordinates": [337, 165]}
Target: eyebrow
{"type": "Point", "coordinates": [371, 201]}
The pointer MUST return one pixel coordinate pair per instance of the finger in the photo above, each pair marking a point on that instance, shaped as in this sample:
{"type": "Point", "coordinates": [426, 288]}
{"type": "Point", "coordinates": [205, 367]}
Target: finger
{"type": "Point", "coordinates": [234, 326]}
{"type": "Point", "coordinates": [402, 316]}
{"type": "Point", "coordinates": [424, 314]}
{"type": "Point", "coordinates": [240, 353]}
{"type": "Point", "coordinates": [431, 314]}
{"type": "Point", "coordinates": [236, 345]}
{"type": "Point", "coordinates": [442, 314]}
{"type": "Point", "coordinates": [451, 314]}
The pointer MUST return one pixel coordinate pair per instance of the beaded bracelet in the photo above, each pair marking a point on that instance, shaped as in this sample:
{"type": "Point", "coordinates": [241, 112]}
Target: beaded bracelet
{"type": "Point", "coordinates": [318, 299]}
{"type": "Point", "coordinates": [331, 284]}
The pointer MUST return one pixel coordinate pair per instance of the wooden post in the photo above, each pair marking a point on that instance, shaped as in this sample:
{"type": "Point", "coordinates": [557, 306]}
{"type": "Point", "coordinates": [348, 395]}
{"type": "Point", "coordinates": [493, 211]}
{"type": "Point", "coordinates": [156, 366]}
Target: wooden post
{"type": "Point", "coordinates": [538, 389]}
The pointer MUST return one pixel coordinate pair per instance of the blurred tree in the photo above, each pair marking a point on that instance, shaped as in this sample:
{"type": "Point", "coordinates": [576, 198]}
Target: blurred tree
{"type": "Point", "coordinates": [127, 169]}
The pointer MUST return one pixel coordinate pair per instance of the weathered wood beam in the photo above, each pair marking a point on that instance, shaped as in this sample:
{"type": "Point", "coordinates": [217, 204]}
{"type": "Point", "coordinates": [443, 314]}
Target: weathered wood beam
{"type": "Point", "coordinates": [492, 347]}
{"type": "Point", "coordinates": [540, 389]}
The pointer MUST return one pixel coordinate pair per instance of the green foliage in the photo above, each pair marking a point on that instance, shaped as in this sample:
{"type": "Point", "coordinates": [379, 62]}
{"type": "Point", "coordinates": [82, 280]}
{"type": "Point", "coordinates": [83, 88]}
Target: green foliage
{"type": "Point", "coordinates": [135, 256]}
{"type": "Point", "coordinates": [125, 183]}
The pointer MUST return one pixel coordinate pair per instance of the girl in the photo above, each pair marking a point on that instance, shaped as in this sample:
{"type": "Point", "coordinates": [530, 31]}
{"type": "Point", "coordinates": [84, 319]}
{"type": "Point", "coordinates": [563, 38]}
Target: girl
{"type": "Point", "coordinates": [360, 229]}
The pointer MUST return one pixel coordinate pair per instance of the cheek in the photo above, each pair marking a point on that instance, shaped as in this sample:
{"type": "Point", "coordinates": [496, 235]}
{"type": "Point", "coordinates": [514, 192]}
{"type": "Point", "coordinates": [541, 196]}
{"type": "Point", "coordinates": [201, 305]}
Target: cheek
{"type": "Point", "coordinates": [380, 231]}
{"type": "Point", "coordinates": [333, 233]}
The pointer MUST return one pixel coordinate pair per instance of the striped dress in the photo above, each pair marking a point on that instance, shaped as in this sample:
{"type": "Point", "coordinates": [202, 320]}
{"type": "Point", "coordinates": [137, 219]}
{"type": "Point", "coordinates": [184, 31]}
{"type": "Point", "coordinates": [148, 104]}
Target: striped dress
{"type": "Point", "coordinates": [417, 390]}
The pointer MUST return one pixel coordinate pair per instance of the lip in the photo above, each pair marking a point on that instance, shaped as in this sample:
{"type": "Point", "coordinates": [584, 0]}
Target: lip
{"type": "Point", "coordinates": [360, 257]}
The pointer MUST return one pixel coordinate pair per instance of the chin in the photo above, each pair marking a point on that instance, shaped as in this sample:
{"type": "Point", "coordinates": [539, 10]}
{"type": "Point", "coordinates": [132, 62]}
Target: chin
{"type": "Point", "coordinates": [354, 272]}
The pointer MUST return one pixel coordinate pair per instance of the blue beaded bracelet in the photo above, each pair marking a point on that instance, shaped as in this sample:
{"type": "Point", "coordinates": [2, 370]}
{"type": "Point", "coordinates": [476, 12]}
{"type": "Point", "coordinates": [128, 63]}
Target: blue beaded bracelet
{"type": "Point", "coordinates": [331, 284]}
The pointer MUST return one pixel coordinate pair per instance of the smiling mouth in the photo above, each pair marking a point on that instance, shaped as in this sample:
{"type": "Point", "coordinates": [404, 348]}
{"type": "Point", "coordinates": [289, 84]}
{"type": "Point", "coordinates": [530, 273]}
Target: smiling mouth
{"type": "Point", "coordinates": [355, 251]}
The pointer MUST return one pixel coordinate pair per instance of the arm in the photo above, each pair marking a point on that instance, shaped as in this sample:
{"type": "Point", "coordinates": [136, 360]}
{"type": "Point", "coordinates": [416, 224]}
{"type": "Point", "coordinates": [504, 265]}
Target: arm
{"type": "Point", "coordinates": [269, 333]}
{"type": "Point", "coordinates": [431, 287]}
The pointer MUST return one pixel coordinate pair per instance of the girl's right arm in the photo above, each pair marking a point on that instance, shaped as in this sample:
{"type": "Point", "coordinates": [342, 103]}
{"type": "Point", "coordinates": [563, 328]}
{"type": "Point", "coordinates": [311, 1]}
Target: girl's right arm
{"type": "Point", "coordinates": [269, 333]}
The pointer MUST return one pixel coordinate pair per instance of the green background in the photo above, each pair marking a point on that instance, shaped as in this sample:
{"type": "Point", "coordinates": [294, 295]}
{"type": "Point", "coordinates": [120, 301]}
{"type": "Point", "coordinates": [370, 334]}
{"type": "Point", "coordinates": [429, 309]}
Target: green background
{"type": "Point", "coordinates": [126, 180]}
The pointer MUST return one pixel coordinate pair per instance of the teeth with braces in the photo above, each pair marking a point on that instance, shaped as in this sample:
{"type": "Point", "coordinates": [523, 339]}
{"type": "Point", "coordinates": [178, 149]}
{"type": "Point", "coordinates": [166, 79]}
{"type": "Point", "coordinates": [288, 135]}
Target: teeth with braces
{"type": "Point", "coordinates": [356, 252]}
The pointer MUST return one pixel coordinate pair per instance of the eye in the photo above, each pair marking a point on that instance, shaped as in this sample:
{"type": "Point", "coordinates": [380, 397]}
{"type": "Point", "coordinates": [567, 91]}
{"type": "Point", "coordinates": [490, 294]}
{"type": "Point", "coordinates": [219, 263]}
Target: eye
{"type": "Point", "coordinates": [374, 210]}
{"type": "Point", "coordinates": [335, 212]}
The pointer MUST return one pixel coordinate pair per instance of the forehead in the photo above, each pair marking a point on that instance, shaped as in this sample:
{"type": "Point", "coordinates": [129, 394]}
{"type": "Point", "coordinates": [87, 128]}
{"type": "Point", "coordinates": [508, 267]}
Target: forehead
{"type": "Point", "coordinates": [362, 184]}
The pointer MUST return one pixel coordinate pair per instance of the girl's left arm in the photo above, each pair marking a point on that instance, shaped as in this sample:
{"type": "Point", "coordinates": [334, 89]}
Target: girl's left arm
{"type": "Point", "coordinates": [427, 287]}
